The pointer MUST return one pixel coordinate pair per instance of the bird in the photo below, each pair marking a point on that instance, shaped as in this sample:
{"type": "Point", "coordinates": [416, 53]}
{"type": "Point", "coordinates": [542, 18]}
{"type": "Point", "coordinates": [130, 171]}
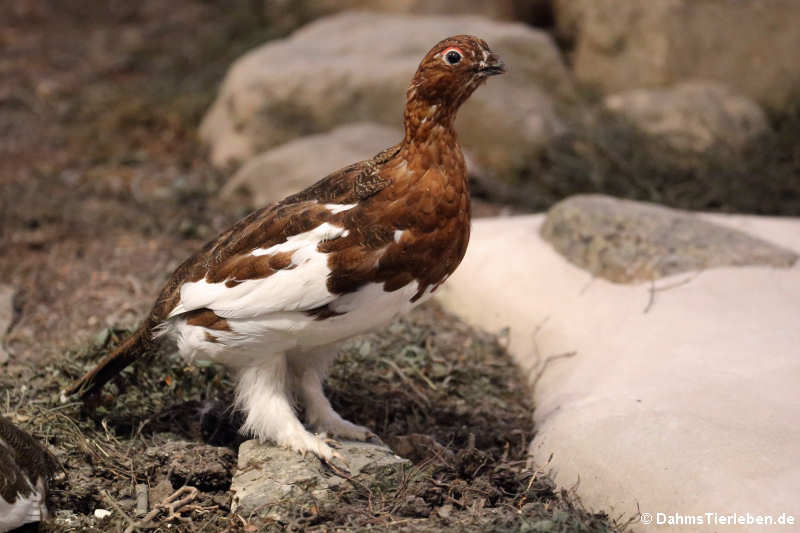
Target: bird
{"type": "Point", "coordinates": [275, 295]}
{"type": "Point", "coordinates": [26, 468]}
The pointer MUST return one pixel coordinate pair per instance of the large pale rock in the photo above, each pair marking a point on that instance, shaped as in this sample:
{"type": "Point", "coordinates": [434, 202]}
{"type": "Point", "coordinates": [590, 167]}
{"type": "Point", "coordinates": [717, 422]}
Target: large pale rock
{"type": "Point", "coordinates": [356, 66]}
{"type": "Point", "coordinates": [677, 398]}
{"type": "Point", "coordinates": [693, 115]}
{"type": "Point", "coordinates": [268, 477]}
{"type": "Point", "coordinates": [6, 314]}
{"type": "Point", "coordinates": [293, 166]}
{"type": "Point", "coordinates": [626, 241]}
{"type": "Point", "coordinates": [639, 43]}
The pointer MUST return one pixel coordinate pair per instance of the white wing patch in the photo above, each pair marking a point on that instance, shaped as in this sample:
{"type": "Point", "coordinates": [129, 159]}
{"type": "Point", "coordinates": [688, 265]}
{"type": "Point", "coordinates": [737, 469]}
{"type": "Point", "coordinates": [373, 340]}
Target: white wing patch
{"type": "Point", "coordinates": [297, 289]}
{"type": "Point", "coordinates": [338, 208]}
{"type": "Point", "coordinates": [323, 232]}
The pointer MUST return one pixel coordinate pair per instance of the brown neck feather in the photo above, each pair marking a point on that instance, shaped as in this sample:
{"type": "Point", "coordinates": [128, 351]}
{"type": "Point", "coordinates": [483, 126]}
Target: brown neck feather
{"type": "Point", "coordinates": [427, 121]}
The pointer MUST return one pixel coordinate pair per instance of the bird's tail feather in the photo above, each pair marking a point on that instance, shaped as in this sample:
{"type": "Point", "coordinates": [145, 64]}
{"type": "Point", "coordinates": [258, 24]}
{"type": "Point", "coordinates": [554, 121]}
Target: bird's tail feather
{"type": "Point", "coordinates": [126, 353]}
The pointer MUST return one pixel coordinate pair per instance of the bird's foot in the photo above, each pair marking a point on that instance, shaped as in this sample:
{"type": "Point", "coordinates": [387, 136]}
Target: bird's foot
{"type": "Point", "coordinates": [347, 430]}
{"type": "Point", "coordinates": [337, 462]}
{"type": "Point", "coordinates": [323, 448]}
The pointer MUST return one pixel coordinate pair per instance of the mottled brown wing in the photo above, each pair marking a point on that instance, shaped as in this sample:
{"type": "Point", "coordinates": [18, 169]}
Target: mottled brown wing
{"type": "Point", "coordinates": [11, 482]}
{"type": "Point", "coordinates": [21, 456]}
{"type": "Point", "coordinates": [228, 256]}
{"type": "Point", "coordinates": [350, 184]}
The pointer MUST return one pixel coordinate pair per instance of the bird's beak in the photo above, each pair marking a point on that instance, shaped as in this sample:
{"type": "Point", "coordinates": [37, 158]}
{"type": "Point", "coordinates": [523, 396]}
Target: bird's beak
{"type": "Point", "coordinates": [492, 65]}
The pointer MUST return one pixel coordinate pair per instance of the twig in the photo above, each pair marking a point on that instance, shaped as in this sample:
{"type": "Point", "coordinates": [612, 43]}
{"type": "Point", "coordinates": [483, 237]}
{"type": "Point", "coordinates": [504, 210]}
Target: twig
{"type": "Point", "coordinates": [408, 382]}
{"type": "Point", "coordinates": [587, 285]}
{"type": "Point", "coordinates": [172, 504]}
{"type": "Point", "coordinates": [108, 499]}
{"type": "Point", "coordinates": [425, 378]}
{"type": "Point", "coordinates": [527, 490]}
{"type": "Point", "coordinates": [546, 362]}
{"type": "Point", "coordinates": [653, 289]}
{"type": "Point", "coordinates": [651, 296]}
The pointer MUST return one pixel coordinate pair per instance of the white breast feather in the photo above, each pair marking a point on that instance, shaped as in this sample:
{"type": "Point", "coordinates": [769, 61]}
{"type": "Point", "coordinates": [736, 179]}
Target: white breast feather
{"type": "Point", "coordinates": [365, 309]}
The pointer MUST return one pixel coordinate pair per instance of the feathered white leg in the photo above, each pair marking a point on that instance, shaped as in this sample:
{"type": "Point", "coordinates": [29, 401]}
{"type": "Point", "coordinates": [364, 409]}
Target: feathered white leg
{"type": "Point", "coordinates": [262, 394]}
{"type": "Point", "coordinates": [320, 413]}
{"type": "Point", "coordinates": [309, 370]}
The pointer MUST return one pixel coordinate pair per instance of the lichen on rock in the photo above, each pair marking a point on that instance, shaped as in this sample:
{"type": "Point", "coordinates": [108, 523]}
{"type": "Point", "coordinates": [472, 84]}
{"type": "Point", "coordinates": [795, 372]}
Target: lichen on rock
{"type": "Point", "coordinates": [628, 242]}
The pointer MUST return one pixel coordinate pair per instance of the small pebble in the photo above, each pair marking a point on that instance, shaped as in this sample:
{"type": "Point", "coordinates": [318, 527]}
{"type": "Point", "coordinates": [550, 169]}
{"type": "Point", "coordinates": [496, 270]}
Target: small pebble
{"type": "Point", "coordinates": [141, 499]}
{"type": "Point", "coordinates": [444, 511]}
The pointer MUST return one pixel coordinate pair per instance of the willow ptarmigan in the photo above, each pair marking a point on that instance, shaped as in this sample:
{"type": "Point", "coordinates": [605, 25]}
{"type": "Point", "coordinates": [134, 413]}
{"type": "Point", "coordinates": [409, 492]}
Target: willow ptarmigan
{"type": "Point", "coordinates": [273, 295]}
{"type": "Point", "coordinates": [25, 469]}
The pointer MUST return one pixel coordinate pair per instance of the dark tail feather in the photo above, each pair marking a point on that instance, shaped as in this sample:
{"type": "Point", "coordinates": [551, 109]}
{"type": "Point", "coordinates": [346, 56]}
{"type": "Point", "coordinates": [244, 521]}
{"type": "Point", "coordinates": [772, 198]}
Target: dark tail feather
{"type": "Point", "coordinates": [126, 353]}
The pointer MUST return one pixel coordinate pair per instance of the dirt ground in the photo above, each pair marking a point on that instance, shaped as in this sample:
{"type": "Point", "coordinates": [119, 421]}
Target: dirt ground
{"type": "Point", "coordinates": [104, 187]}
{"type": "Point", "coordinates": [103, 190]}
{"type": "Point", "coordinates": [438, 392]}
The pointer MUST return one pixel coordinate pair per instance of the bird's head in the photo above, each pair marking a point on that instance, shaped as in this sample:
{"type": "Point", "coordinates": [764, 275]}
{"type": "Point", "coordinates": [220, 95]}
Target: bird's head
{"type": "Point", "coordinates": [450, 72]}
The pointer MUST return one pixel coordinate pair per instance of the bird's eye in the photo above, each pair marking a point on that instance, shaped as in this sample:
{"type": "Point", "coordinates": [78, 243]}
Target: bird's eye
{"type": "Point", "coordinates": [452, 56]}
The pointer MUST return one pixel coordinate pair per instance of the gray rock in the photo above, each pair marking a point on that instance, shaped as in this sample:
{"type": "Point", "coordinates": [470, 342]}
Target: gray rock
{"type": "Point", "coordinates": [268, 477]}
{"type": "Point", "coordinates": [692, 115]}
{"type": "Point", "coordinates": [356, 66]}
{"type": "Point", "coordinates": [646, 43]}
{"type": "Point", "coordinates": [293, 166]}
{"type": "Point", "coordinates": [6, 315]}
{"type": "Point", "coordinates": [627, 242]}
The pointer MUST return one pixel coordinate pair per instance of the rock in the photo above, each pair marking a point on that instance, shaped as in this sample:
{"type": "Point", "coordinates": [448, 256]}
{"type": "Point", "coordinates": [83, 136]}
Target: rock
{"type": "Point", "coordinates": [268, 476]}
{"type": "Point", "coordinates": [677, 398]}
{"type": "Point", "coordinates": [102, 514]}
{"type": "Point", "coordinates": [311, 9]}
{"type": "Point", "coordinates": [6, 315]}
{"type": "Point", "coordinates": [445, 511]}
{"type": "Point", "coordinates": [142, 499]}
{"type": "Point", "coordinates": [647, 43]}
{"type": "Point", "coordinates": [356, 66]}
{"type": "Point", "coordinates": [693, 115]}
{"type": "Point", "coordinates": [627, 242]}
{"type": "Point", "coordinates": [286, 169]}
{"type": "Point", "coordinates": [205, 467]}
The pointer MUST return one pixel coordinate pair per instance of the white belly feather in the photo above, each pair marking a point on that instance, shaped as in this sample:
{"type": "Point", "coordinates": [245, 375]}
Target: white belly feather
{"type": "Point", "coordinates": [253, 339]}
{"type": "Point", "coordinates": [268, 316]}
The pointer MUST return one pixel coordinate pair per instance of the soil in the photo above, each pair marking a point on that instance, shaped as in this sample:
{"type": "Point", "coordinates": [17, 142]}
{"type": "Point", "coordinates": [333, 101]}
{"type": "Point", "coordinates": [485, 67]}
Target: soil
{"type": "Point", "coordinates": [104, 189]}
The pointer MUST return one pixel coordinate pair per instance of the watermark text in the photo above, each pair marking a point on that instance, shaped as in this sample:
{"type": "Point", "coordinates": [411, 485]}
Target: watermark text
{"type": "Point", "coordinates": [718, 519]}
